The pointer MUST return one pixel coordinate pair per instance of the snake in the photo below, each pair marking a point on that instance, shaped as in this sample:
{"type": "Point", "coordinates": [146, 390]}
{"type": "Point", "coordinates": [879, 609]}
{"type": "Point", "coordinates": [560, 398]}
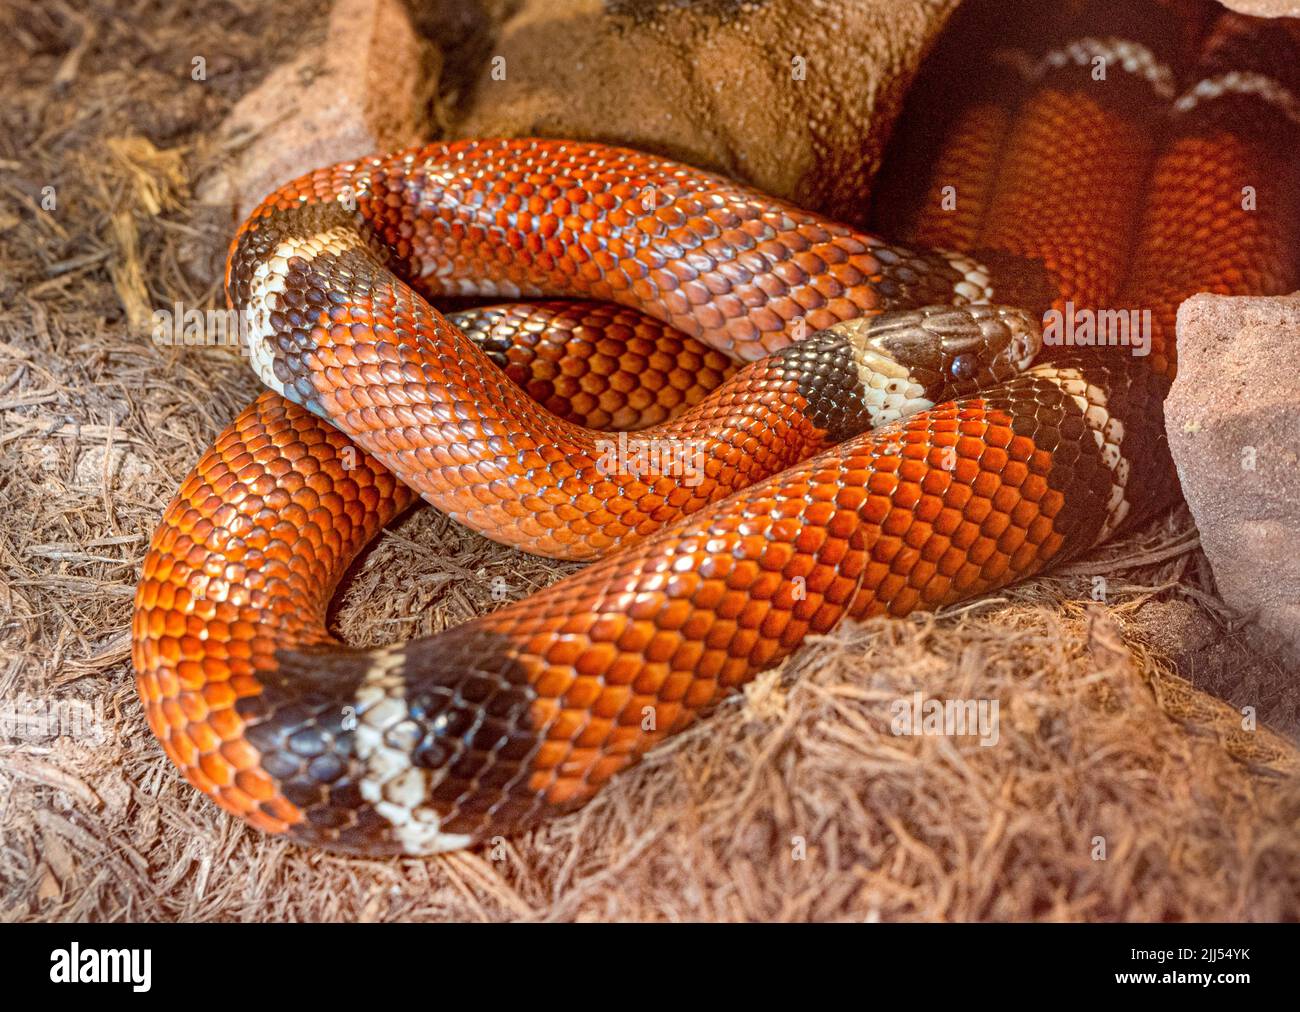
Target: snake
{"type": "Point", "coordinates": [872, 427]}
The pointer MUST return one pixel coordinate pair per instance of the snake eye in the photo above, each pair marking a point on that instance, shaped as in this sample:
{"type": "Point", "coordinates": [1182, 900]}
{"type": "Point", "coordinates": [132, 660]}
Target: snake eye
{"type": "Point", "coordinates": [964, 367]}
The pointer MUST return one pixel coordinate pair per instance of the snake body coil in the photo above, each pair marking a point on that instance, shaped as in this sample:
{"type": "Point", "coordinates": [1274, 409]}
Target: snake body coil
{"type": "Point", "coordinates": [1120, 196]}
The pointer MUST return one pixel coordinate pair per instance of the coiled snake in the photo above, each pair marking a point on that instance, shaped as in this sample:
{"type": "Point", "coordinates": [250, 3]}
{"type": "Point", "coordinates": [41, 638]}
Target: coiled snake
{"type": "Point", "coordinates": [1124, 192]}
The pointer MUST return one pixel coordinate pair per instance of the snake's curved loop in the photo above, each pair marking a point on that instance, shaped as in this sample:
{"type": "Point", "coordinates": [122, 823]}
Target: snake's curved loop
{"type": "Point", "coordinates": [434, 744]}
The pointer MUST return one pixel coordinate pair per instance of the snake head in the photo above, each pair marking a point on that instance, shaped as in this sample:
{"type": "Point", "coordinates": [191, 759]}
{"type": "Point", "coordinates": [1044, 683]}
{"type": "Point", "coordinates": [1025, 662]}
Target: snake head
{"type": "Point", "coordinates": [868, 372]}
{"type": "Point", "coordinates": [950, 352]}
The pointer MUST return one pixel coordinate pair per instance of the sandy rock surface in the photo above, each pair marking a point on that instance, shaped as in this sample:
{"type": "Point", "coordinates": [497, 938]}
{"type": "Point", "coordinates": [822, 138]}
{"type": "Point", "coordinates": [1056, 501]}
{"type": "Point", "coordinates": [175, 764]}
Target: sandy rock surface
{"type": "Point", "coordinates": [366, 88]}
{"type": "Point", "coordinates": [1235, 437]}
{"type": "Point", "coordinates": [794, 96]}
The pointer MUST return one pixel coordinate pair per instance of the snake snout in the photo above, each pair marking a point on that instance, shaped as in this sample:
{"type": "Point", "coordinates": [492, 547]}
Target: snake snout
{"type": "Point", "coordinates": [1026, 339]}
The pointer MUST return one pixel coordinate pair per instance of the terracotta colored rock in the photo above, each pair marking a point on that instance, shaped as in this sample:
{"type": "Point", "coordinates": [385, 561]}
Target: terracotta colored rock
{"type": "Point", "coordinates": [793, 96]}
{"type": "Point", "coordinates": [1235, 436]}
{"type": "Point", "coordinates": [367, 88]}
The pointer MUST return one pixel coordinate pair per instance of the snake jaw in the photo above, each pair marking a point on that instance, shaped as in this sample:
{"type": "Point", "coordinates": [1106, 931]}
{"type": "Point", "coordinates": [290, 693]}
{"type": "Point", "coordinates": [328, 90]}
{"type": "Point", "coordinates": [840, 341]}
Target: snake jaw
{"type": "Point", "coordinates": [890, 389]}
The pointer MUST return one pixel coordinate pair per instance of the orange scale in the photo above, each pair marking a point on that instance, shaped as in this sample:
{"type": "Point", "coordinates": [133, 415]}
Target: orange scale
{"type": "Point", "coordinates": [741, 646]}
{"type": "Point", "coordinates": [217, 770]}
{"type": "Point", "coordinates": [1005, 500]}
{"type": "Point", "coordinates": [218, 694]}
{"type": "Point", "coordinates": [960, 492]}
{"type": "Point", "coordinates": [236, 800]}
{"type": "Point", "coordinates": [193, 705]}
{"type": "Point", "coordinates": [935, 546]}
{"type": "Point", "coordinates": [968, 579]}
{"type": "Point", "coordinates": [995, 523]}
{"type": "Point", "coordinates": [851, 308]}
{"type": "Point", "coordinates": [703, 608]}
{"type": "Point", "coordinates": [220, 725]}
{"type": "Point", "coordinates": [891, 585]}
{"type": "Point", "coordinates": [637, 634]}
{"type": "Point", "coordinates": [985, 485]}
{"type": "Point", "coordinates": [1022, 448]}
{"type": "Point", "coordinates": [618, 758]}
{"type": "Point", "coordinates": [947, 519]}
{"type": "Point", "coordinates": [240, 754]}
{"type": "Point", "coordinates": [561, 725]}
{"type": "Point", "coordinates": [913, 466]}
{"type": "Point", "coordinates": [994, 459]}
{"type": "Point", "coordinates": [972, 448]}
{"type": "Point", "coordinates": [751, 615]}
{"type": "Point", "coordinates": [780, 633]}
{"type": "Point", "coordinates": [845, 584]}
{"type": "Point", "coordinates": [612, 703]}
{"type": "Point", "coordinates": [668, 687]}
{"type": "Point", "coordinates": [951, 562]}
{"type": "Point", "coordinates": [995, 569]}
{"type": "Point", "coordinates": [561, 789]}
{"type": "Point", "coordinates": [594, 660]}
{"type": "Point", "coordinates": [897, 523]}
{"type": "Point", "coordinates": [549, 756]}
{"type": "Point", "coordinates": [982, 550]}
{"type": "Point", "coordinates": [968, 532]}
{"type": "Point", "coordinates": [165, 595]}
{"type": "Point", "coordinates": [935, 473]}
{"type": "Point", "coordinates": [1040, 529]}
{"type": "Point", "coordinates": [195, 775]}
{"type": "Point", "coordinates": [999, 436]}
{"type": "Point", "coordinates": [905, 601]}
{"type": "Point", "coordinates": [147, 685]}
{"type": "Point", "coordinates": [928, 508]}
{"type": "Point", "coordinates": [817, 573]}
{"type": "Point", "coordinates": [1024, 513]}
{"type": "Point", "coordinates": [1011, 540]}
{"type": "Point", "coordinates": [1025, 558]}
{"type": "Point", "coordinates": [180, 745]}
{"type": "Point", "coordinates": [715, 644]}
{"type": "Point", "coordinates": [938, 590]}
{"type": "Point", "coordinates": [703, 691]}
{"type": "Point", "coordinates": [671, 717]}
{"type": "Point", "coordinates": [590, 740]}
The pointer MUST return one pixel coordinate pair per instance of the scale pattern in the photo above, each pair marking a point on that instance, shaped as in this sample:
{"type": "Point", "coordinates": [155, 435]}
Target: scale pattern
{"type": "Point", "coordinates": [1127, 194]}
{"type": "Point", "coordinates": [595, 364]}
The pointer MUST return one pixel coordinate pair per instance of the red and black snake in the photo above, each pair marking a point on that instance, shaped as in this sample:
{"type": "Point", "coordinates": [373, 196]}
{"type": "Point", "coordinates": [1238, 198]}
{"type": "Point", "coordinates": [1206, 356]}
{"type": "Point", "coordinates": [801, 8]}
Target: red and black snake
{"type": "Point", "coordinates": [1170, 173]}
